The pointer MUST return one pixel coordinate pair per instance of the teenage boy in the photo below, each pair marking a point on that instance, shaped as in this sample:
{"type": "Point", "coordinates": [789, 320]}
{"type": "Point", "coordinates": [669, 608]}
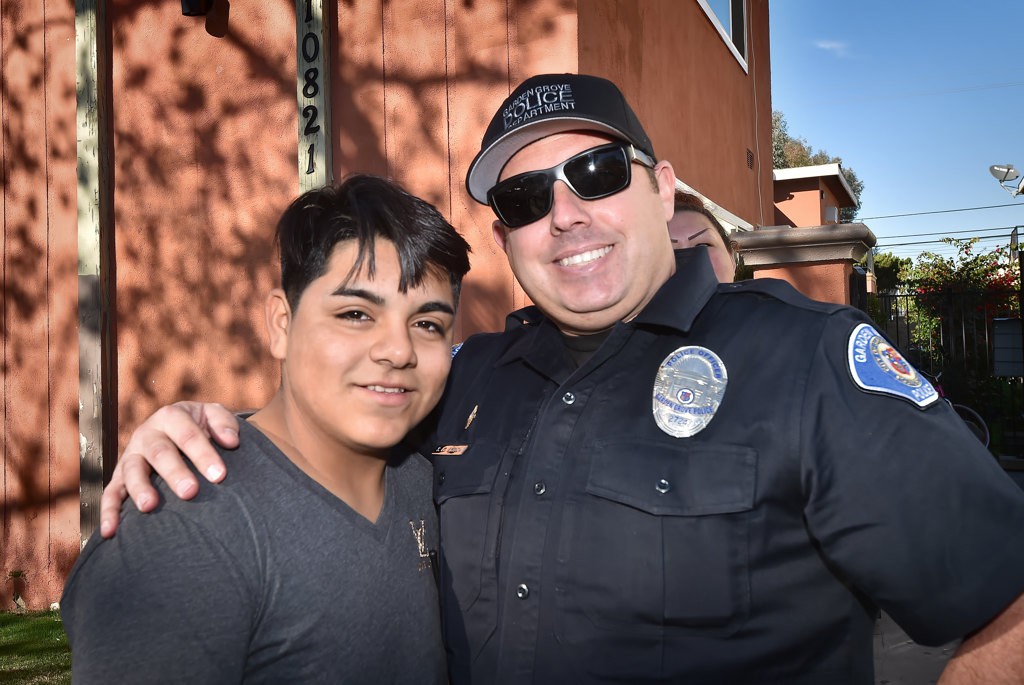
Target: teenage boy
{"type": "Point", "coordinates": [314, 561]}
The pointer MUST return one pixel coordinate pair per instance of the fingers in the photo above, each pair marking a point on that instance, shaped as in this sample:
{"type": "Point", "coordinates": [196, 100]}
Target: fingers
{"type": "Point", "coordinates": [218, 422]}
{"type": "Point", "coordinates": [190, 425]}
{"type": "Point", "coordinates": [110, 504]}
{"type": "Point", "coordinates": [155, 446]}
{"type": "Point", "coordinates": [181, 426]}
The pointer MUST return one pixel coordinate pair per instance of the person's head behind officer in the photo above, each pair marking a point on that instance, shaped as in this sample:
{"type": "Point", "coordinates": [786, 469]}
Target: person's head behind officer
{"type": "Point", "coordinates": [694, 225]}
{"type": "Point", "coordinates": [582, 204]}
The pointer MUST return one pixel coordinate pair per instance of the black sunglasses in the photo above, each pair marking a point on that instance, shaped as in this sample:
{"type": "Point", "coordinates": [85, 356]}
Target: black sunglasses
{"type": "Point", "coordinates": [592, 174]}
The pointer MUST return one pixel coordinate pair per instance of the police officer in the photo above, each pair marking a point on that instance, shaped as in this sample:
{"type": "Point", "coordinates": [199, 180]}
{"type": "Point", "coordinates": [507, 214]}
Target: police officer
{"type": "Point", "coordinates": [651, 477]}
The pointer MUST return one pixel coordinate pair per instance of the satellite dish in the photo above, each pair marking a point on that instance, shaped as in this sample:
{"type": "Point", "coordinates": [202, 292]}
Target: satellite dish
{"type": "Point", "coordinates": [1003, 172]}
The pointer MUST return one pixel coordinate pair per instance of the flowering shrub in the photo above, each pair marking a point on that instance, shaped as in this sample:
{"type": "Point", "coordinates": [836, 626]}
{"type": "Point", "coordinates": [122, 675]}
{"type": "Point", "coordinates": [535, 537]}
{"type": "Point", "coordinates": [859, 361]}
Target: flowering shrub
{"type": "Point", "coordinates": [957, 298]}
{"type": "Point", "coordinates": [988, 280]}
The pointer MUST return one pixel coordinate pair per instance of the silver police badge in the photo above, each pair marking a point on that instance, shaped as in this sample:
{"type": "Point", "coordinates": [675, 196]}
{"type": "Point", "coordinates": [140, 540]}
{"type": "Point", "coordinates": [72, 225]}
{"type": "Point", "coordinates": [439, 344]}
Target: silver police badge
{"type": "Point", "coordinates": [688, 390]}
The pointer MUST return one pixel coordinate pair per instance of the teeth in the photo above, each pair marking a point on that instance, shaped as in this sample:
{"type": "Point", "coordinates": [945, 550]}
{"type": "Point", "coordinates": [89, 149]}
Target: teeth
{"type": "Point", "coordinates": [381, 388]}
{"type": "Point", "coordinates": [585, 257]}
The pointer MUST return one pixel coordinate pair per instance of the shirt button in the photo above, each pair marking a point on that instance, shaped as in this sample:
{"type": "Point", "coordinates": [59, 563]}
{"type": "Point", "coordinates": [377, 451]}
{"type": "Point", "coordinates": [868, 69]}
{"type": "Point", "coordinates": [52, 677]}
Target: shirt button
{"type": "Point", "coordinates": [522, 592]}
{"type": "Point", "coordinates": [539, 488]}
{"type": "Point", "coordinates": [663, 486]}
{"type": "Point", "coordinates": [440, 477]}
{"type": "Point", "coordinates": [568, 398]}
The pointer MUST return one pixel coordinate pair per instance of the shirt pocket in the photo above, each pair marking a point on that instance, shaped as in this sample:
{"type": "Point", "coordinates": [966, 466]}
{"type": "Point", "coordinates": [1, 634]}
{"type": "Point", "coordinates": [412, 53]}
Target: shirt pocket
{"type": "Point", "coordinates": [660, 537]}
{"type": "Point", "coordinates": [469, 523]}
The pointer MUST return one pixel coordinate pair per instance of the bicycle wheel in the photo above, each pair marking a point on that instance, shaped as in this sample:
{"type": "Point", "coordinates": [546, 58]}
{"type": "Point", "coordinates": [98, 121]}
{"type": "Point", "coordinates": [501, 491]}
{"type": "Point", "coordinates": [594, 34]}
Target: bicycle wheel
{"type": "Point", "coordinates": [974, 422]}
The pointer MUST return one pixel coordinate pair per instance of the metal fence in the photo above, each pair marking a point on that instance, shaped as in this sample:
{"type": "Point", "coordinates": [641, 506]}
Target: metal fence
{"type": "Point", "coordinates": [950, 336]}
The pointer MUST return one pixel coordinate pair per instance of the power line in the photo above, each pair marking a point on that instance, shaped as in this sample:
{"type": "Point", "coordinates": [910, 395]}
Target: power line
{"type": "Point", "coordinates": [922, 242]}
{"type": "Point", "coordinates": [939, 244]}
{"type": "Point", "coordinates": [938, 211]}
{"type": "Point", "coordinates": [949, 233]}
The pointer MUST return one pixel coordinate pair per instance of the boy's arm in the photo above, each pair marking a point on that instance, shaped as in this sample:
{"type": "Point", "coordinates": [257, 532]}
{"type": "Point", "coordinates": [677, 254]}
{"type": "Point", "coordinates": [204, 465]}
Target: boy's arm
{"type": "Point", "coordinates": [164, 601]}
{"type": "Point", "coordinates": [155, 445]}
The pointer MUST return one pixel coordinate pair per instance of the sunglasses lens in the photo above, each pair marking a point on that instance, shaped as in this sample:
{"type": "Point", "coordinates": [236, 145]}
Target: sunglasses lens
{"type": "Point", "coordinates": [598, 173]}
{"type": "Point", "coordinates": [592, 174]}
{"type": "Point", "coordinates": [522, 200]}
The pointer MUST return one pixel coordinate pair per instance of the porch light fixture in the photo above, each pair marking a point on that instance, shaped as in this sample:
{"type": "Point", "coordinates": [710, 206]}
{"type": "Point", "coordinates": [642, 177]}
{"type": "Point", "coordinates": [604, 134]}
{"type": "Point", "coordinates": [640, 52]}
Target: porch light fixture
{"type": "Point", "coordinates": [1006, 174]}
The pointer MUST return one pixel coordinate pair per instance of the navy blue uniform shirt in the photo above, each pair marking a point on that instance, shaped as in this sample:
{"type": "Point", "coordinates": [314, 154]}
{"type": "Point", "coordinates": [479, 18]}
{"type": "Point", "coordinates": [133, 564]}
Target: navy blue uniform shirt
{"type": "Point", "coordinates": [583, 543]}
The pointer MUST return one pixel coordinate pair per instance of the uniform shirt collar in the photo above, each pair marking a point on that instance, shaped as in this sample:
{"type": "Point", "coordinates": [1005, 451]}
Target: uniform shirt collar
{"type": "Point", "coordinates": [541, 344]}
{"type": "Point", "coordinates": [684, 295]}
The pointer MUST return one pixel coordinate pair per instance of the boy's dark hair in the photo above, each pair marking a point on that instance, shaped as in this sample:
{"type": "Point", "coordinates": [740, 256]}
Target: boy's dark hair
{"type": "Point", "coordinates": [685, 202]}
{"type": "Point", "coordinates": [364, 208]}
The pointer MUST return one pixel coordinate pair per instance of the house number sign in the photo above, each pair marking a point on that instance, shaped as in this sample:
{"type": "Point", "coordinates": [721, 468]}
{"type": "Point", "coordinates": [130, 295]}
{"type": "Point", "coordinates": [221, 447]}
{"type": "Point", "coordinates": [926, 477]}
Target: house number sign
{"type": "Point", "coordinates": [313, 95]}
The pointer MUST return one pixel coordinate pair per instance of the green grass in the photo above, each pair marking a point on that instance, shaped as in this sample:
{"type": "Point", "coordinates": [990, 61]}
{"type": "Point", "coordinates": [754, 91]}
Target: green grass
{"type": "Point", "coordinates": [34, 649]}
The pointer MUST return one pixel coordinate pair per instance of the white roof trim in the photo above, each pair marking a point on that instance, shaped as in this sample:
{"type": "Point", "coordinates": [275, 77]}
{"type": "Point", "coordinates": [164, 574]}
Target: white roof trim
{"type": "Point", "coordinates": [816, 171]}
{"type": "Point", "coordinates": [730, 222]}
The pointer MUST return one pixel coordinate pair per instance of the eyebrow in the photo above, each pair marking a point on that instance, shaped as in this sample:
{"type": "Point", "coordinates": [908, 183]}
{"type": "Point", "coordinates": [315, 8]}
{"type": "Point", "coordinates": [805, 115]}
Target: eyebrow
{"type": "Point", "coordinates": [703, 230]}
{"type": "Point", "coordinates": [436, 306]}
{"type": "Point", "coordinates": [373, 298]}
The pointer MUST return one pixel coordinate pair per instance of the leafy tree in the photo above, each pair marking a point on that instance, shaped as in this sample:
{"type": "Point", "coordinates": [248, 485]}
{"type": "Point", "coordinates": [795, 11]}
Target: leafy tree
{"type": "Point", "coordinates": [890, 270]}
{"type": "Point", "coordinates": [789, 151]}
{"type": "Point", "coordinates": [849, 214]}
{"type": "Point", "coordinates": [780, 134]}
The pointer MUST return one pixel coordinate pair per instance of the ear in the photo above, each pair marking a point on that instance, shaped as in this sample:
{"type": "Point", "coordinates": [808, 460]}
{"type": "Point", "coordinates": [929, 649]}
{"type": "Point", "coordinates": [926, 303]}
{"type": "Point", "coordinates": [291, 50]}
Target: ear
{"type": "Point", "coordinates": [279, 318]}
{"type": "Point", "coordinates": [500, 233]}
{"type": "Point", "coordinates": [666, 176]}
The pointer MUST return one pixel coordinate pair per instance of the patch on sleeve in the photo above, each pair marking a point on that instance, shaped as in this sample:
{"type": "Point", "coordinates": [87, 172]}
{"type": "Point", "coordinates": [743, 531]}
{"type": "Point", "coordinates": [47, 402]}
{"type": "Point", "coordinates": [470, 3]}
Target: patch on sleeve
{"type": "Point", "coordinates": [877, 366]}
{"type": "Point", "coordinates": [455, 349]}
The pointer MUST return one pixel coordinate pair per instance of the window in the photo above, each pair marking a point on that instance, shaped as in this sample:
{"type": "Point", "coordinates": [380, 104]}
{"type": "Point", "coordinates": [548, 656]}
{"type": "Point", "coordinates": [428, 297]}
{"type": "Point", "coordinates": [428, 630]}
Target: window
{"type": "Point", "coordinates": [730, 18]}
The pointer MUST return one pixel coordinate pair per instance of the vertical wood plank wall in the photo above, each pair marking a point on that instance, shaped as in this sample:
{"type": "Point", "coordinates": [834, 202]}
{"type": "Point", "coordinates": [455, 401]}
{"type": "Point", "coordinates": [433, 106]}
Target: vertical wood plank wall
{"type": "Point", "coordinates": [39, 372]}
{"type": "Point", "coordinates": [415, 86]}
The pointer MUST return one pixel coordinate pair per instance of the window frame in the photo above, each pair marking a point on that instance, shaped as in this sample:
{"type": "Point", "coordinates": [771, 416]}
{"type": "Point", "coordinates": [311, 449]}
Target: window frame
{"type": "Point", "coordinates": [738, 51]}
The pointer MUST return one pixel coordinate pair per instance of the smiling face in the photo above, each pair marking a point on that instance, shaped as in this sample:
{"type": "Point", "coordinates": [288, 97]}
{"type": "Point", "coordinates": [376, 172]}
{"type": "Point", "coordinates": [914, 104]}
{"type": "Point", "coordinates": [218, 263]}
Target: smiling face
{"type": "Point", "coordinates": [690, 229]}
{"type": "Point", "coordinates": [362, 362]}
{"type": "Point", "coordinates": [590, 263]}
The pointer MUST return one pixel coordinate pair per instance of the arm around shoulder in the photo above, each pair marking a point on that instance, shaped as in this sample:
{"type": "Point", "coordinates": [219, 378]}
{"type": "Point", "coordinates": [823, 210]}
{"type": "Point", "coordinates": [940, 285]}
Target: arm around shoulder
{"type": "Point", "coordinates": [183, 428]}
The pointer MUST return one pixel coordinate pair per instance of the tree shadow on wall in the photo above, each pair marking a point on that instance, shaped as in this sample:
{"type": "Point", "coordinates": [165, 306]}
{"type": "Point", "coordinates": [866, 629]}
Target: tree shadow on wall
{"type": "Point", "coordinates": [204, 131]}
{"type": "Point", "coordinates": [202, 122]}
{"type": "Point", "coordinates": [39, 306]}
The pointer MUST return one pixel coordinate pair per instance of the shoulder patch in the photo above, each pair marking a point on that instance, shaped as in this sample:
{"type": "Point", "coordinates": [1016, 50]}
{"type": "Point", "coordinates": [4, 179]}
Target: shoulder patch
{"type": "Point", "coordinates": [877, 366]}
{"type": "Point", "coordinates": [455, 349]}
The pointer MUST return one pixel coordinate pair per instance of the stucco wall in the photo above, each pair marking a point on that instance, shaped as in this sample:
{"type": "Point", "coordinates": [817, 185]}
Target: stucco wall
{"type": "Point", "coordinates": [823, 281]}
{"type": "Point", "coordinates": [700, 108]}
{"type": "Point", "coordinates": [798, 202]}
{"type": "Point", "coordinates": [802, 201]}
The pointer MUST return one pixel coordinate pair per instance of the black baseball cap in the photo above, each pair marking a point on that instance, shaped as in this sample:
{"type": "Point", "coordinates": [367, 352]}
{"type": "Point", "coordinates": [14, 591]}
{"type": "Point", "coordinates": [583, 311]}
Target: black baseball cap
{"type": "Point", "coordinates": [547, 104]}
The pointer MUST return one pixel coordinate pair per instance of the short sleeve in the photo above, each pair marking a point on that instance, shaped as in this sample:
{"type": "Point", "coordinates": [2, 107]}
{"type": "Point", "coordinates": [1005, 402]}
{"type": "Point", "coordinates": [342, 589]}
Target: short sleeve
{"type": "Point", "coordinates": [904, 502]}
{"type": "Point", "coordinates": [165, 600]}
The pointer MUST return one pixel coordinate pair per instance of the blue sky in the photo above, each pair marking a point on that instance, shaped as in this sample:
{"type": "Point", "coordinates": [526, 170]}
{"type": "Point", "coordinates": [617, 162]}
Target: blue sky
{"type": "Point", "coordinates": [918, 98]}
